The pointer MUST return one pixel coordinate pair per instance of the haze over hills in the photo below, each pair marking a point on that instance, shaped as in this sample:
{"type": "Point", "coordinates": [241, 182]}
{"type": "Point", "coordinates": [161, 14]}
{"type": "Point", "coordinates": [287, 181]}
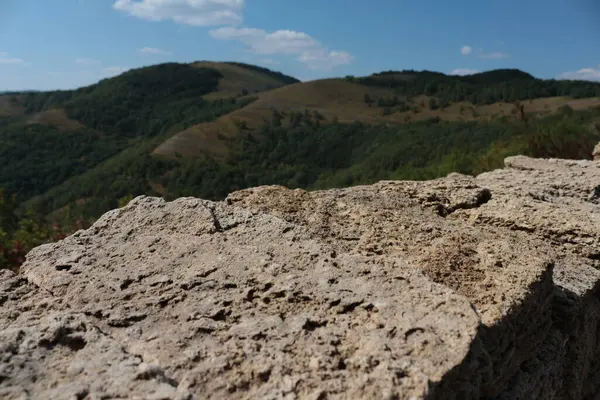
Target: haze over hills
{"type": "Point", "coordinates": [208, 128]}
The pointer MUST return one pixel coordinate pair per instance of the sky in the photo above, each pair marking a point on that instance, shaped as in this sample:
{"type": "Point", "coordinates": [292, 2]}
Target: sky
{"type": "Point", "coordinates": [63, 44]}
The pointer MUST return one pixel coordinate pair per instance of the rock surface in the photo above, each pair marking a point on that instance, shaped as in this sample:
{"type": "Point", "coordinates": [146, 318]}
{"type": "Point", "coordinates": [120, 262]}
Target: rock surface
{"type": "Point", "coordinates": [455, 288]}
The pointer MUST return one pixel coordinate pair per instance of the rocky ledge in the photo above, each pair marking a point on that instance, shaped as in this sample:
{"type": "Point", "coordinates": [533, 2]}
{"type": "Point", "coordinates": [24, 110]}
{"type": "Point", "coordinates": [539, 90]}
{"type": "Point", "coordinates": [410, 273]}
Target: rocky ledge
{"type": "Point", "coordinates": [455, 288]}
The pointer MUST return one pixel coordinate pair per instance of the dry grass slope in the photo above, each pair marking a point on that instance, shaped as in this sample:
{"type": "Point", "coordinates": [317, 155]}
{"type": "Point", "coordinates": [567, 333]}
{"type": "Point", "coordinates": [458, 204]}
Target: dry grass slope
{"type": "Point", "coordinates": [344, 100]}
{"type": "Point", "coordinates": [236, 79]}
{"type": "Point", "coordinates": [55, 117]}
{"type": "Point", "coordinates": [330, 97]}
{"type": "Point", "coordinates": [10, 105]}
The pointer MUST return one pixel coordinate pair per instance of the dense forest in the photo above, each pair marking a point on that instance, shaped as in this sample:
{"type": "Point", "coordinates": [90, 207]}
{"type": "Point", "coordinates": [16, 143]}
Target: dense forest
{"type": "Point", "coordinates": [298, 150]}
{"type": "Point", "coordinates": [141, 102]}
{"type": "Point", "coordinates": [508, 85]}
{"type": "Point", "coordinates": [36, 157]}
{"type": "Point", "coordinates": [58, 178]}
{"type": "Point", "coordinates": [314, 156]}
{"type": "Point", "coordinates": [118, 122]}
{"type": "Point", "coordinates": [116, 114]}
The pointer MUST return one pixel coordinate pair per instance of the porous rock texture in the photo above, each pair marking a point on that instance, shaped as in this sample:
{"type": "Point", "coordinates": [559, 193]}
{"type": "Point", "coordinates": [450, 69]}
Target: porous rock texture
{"type": "Point", "coordinates": [455, 288]}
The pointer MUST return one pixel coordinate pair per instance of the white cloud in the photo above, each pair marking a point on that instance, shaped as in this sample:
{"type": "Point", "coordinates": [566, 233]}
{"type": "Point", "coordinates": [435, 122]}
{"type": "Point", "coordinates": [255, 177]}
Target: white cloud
{"type": "Point", "coordinates": [112, 71]}
{"type": "Point", "coordinates": [307, 49]}
{"type": "Point", "coordinates": [464, 71]}
{"type": "Point", "coordinates": [86, 61]}
{"type": "Point", "coordinates": [584, 74]}
{"type": "Point", "coordinates": [495, 55]}
{"type": "Point", "coordinates": [324, 59]}
{"type": "Point", "coordinates": [188, 12]}
{"type": "Point", "coordinates": [262, 42]}
{"type": "Point", "coordinates": [230, 12]}
{"type": "Point", "coordinates": [154, 51]}
{"type": "Point", "coordinates": [269, 61]}
{"type": "Point", "coordinates": [11, 60]}
{"type": "Point", "coordinates": [5, 59]}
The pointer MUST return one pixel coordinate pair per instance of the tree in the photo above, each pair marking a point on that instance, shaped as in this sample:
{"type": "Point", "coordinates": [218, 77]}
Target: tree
{"type": "Point", "coordinates": [8, 217]}
{"type": "Point", "coordinates": [18, 235]}
{"type": "Point", "coordinates": [433, 104]}
{"type": "Point", "coordinates": [276, 117]}
{"type": "Point", "coordinates": [123, 201]}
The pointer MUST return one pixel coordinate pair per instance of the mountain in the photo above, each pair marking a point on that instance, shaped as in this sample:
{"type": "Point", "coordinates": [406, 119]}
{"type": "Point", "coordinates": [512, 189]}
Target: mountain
{"type": "Point", "coordinates": [207, 128]}
{"type": "Point", "coordinates": [391, 97]}
{"type": "Point", "coordinates": [52, 136]}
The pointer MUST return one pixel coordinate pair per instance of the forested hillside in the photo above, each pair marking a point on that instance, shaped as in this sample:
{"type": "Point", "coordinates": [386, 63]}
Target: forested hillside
{"type": "Point", "coordinates": [99, 121]}
{"type": "Point", "coordinates": [140, 102]}
{"type": "Point", "coordinates": [394, 98]}
{"type": "Point", "coordinates": [506, 85]}
{"type": "Point", "coordinates": [47, 139]}
{"type": "Point", "coordinates": [206, 129]}
{"type": "Point", "coordinates": [303, 152]}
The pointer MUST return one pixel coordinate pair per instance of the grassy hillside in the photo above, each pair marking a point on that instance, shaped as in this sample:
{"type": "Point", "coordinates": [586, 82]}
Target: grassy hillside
{"type": "Point", "coordinates": [139, 102]}
{"type": "Point", "coordinates": [333, 98]}
{"type": "Point", "coordinates": [206, 129]}
{"type": "Point", "coordinates": [47, 138]}
{"type": "Point", "coordinates": [69, 156]}
{"type": "Point", "coordinates": [243, 79]}
{"type": "Point", "coordinates": [391, 98]}
{"type": "Point", "coordinates": [55, 117]}
{"type": "Point", "coordinates": [302, 152]}
{"type": "Point", "coordinates": [142, 125]}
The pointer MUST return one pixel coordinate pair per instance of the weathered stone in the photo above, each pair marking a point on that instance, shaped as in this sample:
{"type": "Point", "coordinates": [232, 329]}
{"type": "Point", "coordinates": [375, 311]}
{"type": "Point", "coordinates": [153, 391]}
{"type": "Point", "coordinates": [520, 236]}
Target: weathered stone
{"type": "Point", "coordinates": [48, 350]}
{"type": "Point", "coordinates": [553, 199]}
{"type": "Point", "coordinates": [454, 288]}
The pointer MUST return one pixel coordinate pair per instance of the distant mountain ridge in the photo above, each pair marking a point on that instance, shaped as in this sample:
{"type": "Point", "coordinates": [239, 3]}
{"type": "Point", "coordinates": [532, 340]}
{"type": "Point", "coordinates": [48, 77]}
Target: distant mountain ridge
{"type": "Point", "coordinates": [96, 122]}
{"type": "Point", "coordinates": [491, 76]}
{"type": "Point", "coordinates": [205, 128]}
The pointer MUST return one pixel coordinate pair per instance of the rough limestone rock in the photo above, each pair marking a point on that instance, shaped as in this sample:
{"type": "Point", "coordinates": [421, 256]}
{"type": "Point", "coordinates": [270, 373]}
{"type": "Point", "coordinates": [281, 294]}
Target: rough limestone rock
{"type": "Point", "coordinates": [596, 153]}
{"type": "Point", "coordinates": [455, 288]}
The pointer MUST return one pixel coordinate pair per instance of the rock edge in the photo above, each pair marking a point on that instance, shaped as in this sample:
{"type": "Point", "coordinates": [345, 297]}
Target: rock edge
{"type": "Point", "coordinates": [455, 288]}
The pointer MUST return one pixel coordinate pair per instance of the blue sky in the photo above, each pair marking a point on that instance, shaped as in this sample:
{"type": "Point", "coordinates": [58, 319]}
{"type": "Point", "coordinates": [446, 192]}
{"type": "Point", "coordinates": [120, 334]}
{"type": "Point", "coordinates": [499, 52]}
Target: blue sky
{"type": "Point", "coordinates": [48, 44]}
